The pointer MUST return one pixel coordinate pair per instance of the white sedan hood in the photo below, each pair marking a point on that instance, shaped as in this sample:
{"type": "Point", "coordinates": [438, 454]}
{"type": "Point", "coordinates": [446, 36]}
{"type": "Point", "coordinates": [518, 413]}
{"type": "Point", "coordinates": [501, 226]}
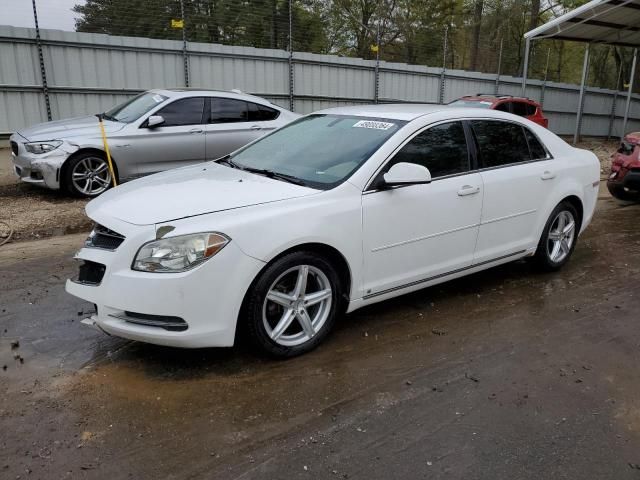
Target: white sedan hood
{"type": "Point", "coordinates": [190, 191]}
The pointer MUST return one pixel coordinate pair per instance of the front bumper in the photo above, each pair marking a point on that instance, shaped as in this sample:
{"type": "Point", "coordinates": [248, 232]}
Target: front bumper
{"type": "Point", "coordinates": [208, 298]}
{"type": "Point", "coordinates": [43, 170]}
{"type": "Point", "coordinates": [628, 179]}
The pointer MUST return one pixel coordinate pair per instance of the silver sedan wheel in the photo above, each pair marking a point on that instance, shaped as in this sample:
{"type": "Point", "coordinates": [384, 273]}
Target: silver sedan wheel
{"type": "Point", "coordinates": [91, 176]}
{"type": "Point", "coordinates": [561, 236]}
{"type": "Point", "coordinates": [297, 305]}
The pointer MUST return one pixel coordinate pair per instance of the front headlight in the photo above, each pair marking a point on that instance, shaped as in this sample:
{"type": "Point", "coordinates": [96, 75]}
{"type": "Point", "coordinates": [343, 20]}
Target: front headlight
{"type": "Point", "coordinates": [177, 254]}
{"type": "Point", "coordinates": [42, 147]}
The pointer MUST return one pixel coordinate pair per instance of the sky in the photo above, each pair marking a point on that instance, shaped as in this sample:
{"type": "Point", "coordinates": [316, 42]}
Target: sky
{"type": "Point", "coordinates": [55, 14]}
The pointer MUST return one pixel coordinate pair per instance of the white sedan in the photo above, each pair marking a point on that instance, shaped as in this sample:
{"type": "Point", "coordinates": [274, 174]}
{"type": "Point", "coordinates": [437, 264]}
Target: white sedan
{"type": "Point", "coordinates": [340, 209]}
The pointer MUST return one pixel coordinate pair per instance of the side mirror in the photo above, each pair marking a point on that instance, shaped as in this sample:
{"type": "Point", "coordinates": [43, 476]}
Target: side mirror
{"type": "Point", "coordinates": [407, 174]}
{"type": "Point", "coordinates": [155, 121]}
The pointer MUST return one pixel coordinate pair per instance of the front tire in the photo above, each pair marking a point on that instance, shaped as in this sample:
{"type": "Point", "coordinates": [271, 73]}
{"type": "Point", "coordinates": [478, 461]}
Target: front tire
{"type": "Point", "coordinates": [293, 305]}
{"type": "Point", "coordinates": [559, 238]}
{"type": "Point", "coordinates": [87, 175]}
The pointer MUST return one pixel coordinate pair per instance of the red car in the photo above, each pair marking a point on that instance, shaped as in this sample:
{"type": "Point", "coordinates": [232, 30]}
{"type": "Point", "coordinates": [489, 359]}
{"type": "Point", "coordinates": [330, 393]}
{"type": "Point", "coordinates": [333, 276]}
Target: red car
{"type": "Point", "coordinates": [521, 106]}
{"type": "Point", "coordinates": [624, 180]}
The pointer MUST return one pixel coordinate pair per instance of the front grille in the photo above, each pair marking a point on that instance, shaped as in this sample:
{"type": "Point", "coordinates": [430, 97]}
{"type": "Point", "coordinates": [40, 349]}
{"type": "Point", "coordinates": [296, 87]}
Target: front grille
{"type": "Point", "coordinates": [173, 324]}
{"type": "Point", "coordinates": [102, 237]}
{"type": "Point", "coordinates": [14, 148]}
{"type": "Point", "coordinates": [90, 273]}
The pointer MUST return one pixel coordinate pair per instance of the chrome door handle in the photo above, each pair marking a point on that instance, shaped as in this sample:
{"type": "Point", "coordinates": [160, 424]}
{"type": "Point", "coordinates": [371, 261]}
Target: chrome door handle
{"type": "Point", "coordinates": [196, 130]}
{"type": "Point", "coordinates": [468, 190]}
{"type": "Point", "coordinates": [547, 175]}
{"type": "Point", "coordinates": [255, 127]}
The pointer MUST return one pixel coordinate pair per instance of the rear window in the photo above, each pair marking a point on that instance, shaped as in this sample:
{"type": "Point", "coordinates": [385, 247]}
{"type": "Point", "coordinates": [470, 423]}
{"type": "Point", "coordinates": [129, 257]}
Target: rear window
{"type": "Point", "coordinates": [523, 109]}
{"type": "Point", "coordinates": [626, 148]}
{"type": "Point", "coordinates": [500, 143]}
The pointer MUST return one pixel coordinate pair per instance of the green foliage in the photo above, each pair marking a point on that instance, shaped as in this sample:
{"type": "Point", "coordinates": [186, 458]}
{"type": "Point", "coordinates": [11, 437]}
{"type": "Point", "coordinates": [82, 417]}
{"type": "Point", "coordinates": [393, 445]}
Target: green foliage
{"type": "Point", "coordinates": [410, 31]}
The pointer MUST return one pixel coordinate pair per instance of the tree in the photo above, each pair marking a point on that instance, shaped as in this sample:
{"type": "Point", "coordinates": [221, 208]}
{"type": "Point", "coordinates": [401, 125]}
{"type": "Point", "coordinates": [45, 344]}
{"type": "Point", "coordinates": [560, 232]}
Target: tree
{"type": "Point", "coordinates": [477, 24]}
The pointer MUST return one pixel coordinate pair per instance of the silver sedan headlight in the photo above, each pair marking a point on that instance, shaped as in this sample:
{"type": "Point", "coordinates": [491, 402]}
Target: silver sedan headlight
{"type": "Point", "coordinates": [177, 254]}
{"type": "Point", "coordinates": [42, 147]}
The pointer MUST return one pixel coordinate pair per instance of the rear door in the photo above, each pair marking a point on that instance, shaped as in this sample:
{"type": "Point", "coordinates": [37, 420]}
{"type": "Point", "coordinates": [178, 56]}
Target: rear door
{"type": "Point", "coordinates": [177, 142]}
{"type": "Point", "coordinates": [233, 123]}
{"type": "Point", "coordinates": [417, 233]}
{"type": "Point", "coordinates": [518, 174]}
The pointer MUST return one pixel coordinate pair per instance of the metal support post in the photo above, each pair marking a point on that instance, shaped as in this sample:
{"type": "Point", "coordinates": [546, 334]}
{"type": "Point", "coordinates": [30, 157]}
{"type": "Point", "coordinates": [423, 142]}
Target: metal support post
{"type": "Point", "coordinates": [444, 66]}
{"type": "Point", "coordinates": [546, 76]}
{"type": "Point", "coordinates": [376, 88]}
{"type": "Point", "coordinates": [525, 67]}
{"type": "Point", "coordinates": [43, 72]}
{"type": "Point", "coordinates": [291, 71]}
{"type": "Point", "coordinates": [185, 53]}
{"type": "Point", "coordinates": [628, 106]}
{"type": "Point", "coordinates": [614, 104]}
{"type": "Point", "coordinates": [583, 84]}
{"type": "Point", "coordinates": [497, 86]}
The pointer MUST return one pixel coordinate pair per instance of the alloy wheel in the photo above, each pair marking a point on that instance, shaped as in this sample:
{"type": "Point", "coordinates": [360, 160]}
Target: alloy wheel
{"type": "Point", "coordinates": [297, 305]}
{"type": "Point", "coordinates": [561, 236]}
{"type": "Point", "coordinates": [91, 176]}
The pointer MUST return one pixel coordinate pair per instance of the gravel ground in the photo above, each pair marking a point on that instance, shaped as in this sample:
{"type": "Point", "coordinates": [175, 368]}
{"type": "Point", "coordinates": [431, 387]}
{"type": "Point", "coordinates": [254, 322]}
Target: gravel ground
{"type": "Point", "coordinates": [35, 212]}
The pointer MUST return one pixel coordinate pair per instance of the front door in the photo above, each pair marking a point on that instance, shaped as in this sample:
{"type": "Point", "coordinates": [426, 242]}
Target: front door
{"type": "Point", "coordinates": [179, 141]}
{"type": "Point", "coordinates": [418, 233]}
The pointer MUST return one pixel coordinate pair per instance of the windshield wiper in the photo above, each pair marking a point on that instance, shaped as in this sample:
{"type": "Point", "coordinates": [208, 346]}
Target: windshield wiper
{"type": "Point", "coordinates": [107, 117]}
{"type": "Point", "coordinates": [226, 160]}
{"type": "Point", "coordinates": [271, 174]}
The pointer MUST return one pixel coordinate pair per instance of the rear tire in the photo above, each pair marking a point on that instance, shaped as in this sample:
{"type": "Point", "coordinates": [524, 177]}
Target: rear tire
{"type": "Point", "coordinates": [293, 305]}
{"type": "Point", "coordinates": [87, 175]}
{"type": "Point", "coordinates": [558, 239]}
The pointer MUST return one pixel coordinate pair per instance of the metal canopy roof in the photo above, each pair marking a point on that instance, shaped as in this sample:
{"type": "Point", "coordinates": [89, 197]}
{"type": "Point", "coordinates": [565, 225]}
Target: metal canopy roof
{"type": "Point", "coordinates": [611, 22]}
{"type": "Point", "coordinates": [614, 22]}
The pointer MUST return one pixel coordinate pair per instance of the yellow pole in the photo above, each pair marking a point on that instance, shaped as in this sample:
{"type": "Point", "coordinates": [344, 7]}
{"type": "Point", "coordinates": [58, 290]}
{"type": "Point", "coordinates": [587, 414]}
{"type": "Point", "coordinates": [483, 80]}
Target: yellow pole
{"type": "Point", "coordinates": [106, 149]}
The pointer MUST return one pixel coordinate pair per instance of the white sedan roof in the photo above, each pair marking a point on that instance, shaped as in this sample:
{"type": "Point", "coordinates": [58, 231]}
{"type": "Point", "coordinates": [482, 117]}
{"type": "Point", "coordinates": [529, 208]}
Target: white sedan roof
{"type": "Point", "coordinates": [402, 111]}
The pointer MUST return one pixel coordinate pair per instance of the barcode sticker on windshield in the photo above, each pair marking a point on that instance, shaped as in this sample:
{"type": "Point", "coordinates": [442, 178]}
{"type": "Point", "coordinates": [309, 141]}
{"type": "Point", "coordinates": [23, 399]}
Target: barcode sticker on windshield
{"type": "Point", "coordinates": [158, 98]}
{"type": "Point", "coordinates": [374, 125]}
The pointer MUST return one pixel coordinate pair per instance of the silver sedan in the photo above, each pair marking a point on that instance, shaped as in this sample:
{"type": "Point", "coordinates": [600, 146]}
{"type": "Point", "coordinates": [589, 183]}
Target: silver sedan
{"type": "Point", "coordinates": [154, 131]}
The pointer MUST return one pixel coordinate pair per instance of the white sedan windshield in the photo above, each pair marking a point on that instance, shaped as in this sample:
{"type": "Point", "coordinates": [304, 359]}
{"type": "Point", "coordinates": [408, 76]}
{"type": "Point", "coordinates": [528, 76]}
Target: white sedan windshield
{"type": "Point", "coordinates": [320, 150]}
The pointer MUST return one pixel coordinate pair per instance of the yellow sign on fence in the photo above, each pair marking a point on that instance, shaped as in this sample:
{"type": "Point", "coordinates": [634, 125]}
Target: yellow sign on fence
{"type": "Point", "coordinates": [374, 48]}
{"type": "Point", "coordinates": [177, 23]}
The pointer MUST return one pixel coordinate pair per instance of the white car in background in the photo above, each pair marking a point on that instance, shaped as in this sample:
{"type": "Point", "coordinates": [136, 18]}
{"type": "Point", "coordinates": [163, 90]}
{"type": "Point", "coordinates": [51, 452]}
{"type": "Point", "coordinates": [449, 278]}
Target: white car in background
{"type": "Point", "coordinates": [340, 209]}
{"type": "Point", "coordinates": [154, 131]}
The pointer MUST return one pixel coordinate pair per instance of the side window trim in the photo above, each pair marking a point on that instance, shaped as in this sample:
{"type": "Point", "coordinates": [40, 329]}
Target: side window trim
{"type": "Point", "coordinates": [370, 189]}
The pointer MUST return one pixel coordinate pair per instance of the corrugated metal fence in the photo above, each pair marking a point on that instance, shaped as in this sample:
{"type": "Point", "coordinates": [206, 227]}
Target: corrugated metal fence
{"type": "Point", "coordinates": [87, 73]}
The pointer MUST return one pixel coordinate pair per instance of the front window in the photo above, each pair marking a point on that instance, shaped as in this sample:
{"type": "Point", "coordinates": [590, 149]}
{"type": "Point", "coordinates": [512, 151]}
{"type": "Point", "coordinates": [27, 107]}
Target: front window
{"type": "Point", "coordinates": [134, 108]}
{"type": "Point", "coordinates": [321, 150]}
{"type": "Point", "coordinates": [442, 149]}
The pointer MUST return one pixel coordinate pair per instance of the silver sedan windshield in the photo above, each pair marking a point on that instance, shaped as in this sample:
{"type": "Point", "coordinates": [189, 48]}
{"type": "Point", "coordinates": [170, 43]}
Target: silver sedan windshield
{"type": "Point", "coordinates": [133, 109]}
{"type": "Point", "coordinates": [320, 150]}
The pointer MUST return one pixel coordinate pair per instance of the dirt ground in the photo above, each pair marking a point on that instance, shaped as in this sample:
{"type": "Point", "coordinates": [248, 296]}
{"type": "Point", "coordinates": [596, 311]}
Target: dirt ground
{"type": "Point", "coordinates": [501, 375]}
{"type": "Point", "coordinates": [35, 212]}
{"type": "Point", "coordinates": [506, 374]}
